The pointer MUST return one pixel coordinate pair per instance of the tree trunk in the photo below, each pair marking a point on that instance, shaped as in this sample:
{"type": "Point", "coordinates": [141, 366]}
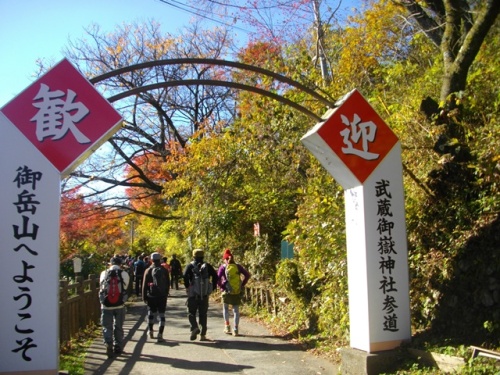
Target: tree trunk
{"type": "Point", "coordinates": [454, 80]}
{"type": "Point", "coordinates": [459, 28]}
{"type": "Point", "coordinates": [459, 51]}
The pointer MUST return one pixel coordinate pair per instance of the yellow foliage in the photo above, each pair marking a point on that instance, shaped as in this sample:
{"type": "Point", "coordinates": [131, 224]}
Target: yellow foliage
{"type": "Point", "coordinates": [370, 40]}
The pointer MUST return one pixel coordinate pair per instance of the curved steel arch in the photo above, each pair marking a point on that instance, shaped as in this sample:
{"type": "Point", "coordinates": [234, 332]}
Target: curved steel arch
{"type": "Point", "coordinates": [208, 61]}
{"type": "Point", "coordinates": [235, 85]}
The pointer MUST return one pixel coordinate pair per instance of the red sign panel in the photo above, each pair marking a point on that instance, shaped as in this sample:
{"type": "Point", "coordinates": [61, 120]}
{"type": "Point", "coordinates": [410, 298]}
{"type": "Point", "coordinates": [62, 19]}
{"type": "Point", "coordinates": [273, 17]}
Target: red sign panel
{"type": "Point", "coordinates": [62, 114]}
{"type": "Point", "coordinates": [358, 136]}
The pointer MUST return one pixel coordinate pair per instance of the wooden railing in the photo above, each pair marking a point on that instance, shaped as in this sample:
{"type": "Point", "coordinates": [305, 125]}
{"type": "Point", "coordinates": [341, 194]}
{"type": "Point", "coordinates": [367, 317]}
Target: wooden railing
{"type": "Point", "coordinates": [78, 306]}
{"type": "Point", "coordinates": [262, 297]}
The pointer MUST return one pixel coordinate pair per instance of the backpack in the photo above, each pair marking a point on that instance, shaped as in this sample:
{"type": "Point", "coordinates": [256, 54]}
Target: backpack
{"type": "Point", "coordinates": [200, 283]}
{"type": "Point", "coordinates": [112, 292]}
{"type": "Point", "coordinates": [233, 284]}
{"type": "Point", "coordinates": [158, 288]}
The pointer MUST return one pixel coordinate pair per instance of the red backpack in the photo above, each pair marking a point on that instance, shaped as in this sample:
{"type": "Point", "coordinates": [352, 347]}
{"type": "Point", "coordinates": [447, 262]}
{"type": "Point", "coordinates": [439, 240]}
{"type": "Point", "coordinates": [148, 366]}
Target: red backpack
{"type": "Point", "coordinates": [112, 290]}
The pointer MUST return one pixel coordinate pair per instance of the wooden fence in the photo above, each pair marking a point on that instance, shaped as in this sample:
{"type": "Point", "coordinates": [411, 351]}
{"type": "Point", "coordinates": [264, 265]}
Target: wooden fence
{"type": "Point", "coordinates": [262, 297]}
{"type": "Point", "coordinates": [78, 306]}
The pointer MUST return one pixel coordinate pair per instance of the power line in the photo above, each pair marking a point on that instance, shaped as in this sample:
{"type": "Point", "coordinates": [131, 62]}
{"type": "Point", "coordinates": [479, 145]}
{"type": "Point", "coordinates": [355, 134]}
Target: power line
{"type": "Point", "coordinates": [199, 13]}
{"type": "Point", "coordinates": [241, 7]}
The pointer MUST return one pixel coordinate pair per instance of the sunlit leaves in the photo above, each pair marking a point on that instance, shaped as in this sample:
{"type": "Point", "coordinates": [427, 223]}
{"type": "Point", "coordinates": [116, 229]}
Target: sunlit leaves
{"type": "Point", "coordinates": [85, 228]}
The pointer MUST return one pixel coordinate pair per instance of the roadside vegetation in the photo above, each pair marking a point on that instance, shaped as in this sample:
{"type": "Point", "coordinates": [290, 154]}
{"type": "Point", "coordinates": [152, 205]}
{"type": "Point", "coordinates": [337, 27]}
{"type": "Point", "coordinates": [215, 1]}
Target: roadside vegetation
{"type": "Point", "coordinates": [72, 354]}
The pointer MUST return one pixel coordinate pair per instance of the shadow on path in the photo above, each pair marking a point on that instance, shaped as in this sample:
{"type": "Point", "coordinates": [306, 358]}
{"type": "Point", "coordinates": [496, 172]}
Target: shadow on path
{"type": "Point", "coordinates": [255, 351]}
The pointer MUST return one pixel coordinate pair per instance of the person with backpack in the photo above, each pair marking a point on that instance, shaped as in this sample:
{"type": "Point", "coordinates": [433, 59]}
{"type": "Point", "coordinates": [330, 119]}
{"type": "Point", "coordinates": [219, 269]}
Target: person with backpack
{"type": "Point", "coordinates": [139, 268]}
{"type": "Point", "coordinates": [112, 295]}
{"type": "Point", "coordinates": [155, 289]}
{"type": "Point", "coordinates": [231, 284]}
{"type": "Point", "coordinates": [200, 279]}
{"type": "Point", "coordinates": [176, 268]}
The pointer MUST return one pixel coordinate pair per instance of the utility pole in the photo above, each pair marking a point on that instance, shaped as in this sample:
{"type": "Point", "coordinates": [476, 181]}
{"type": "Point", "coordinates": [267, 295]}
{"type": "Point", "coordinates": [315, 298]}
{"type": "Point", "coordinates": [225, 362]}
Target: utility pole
{"type": "Point", "coordinates": [320, 51]}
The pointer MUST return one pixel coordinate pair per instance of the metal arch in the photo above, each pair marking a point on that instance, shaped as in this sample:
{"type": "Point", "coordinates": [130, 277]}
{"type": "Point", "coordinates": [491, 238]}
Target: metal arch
{"type": "Point", "coordinates": [208, 61]}
{"type": "Point", "coordinates": [235, 85]}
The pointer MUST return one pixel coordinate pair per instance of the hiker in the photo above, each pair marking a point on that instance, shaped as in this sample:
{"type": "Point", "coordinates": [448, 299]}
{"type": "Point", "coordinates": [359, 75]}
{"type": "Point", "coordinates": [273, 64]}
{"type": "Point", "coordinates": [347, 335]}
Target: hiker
{"type": "Point", "coordinates": [176, 269]}
{"type": "Point", "coordinates": [139, 268]}
{"type": "Point", "coordinates": [155, 288]}
{"type": "Point", "coordinates": [231, 285]}
{"type": "Point", "coordinates": [164, 263]}
{"type": "Point", "coordinates": [112, 295]}
{"type": "Point", "coordinates": [200, 279]}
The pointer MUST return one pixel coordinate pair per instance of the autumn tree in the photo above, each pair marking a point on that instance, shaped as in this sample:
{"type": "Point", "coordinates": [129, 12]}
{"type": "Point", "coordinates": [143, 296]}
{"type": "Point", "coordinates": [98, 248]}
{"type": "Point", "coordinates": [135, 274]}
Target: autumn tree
{"type": "Point", "coordinates": [232, 177]}
{"type": "Point", "coordinates": [89, 231]}
{"type": "Point", "coordinates": [154, 120]}
{"type": "Point", "coordinates": [458, 29]}
{"type": "Point", "coordinates": [142, 199]}
{"type": "Point", "coordinates": [450, 194]}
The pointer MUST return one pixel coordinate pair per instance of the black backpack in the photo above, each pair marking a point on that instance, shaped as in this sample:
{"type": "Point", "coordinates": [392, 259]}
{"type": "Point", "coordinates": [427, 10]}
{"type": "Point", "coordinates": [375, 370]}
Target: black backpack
{"type": "Point", "coordinates": [158, 288]}
{"type": "Point", "coordinates": [112, 292]}
{"type": "Point", "coordinates": [200, 283]}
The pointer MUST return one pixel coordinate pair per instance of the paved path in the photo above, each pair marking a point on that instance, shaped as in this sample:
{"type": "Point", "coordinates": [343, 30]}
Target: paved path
{"type": "Point", "coordinates": [255, 351]}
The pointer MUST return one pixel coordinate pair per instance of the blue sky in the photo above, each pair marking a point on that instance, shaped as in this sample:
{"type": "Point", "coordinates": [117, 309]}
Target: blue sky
{"type": "Point", "coordinates": [39, 29]}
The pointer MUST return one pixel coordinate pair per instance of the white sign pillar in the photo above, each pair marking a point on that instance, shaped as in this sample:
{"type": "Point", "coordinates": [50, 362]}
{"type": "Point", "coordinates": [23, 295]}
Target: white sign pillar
{"type": "Point", "coordinates": [364, 156]}
{"type": "Point", "coordinates": [29, 229]}
{"type": "Point", "coordinates": [46, 132]}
